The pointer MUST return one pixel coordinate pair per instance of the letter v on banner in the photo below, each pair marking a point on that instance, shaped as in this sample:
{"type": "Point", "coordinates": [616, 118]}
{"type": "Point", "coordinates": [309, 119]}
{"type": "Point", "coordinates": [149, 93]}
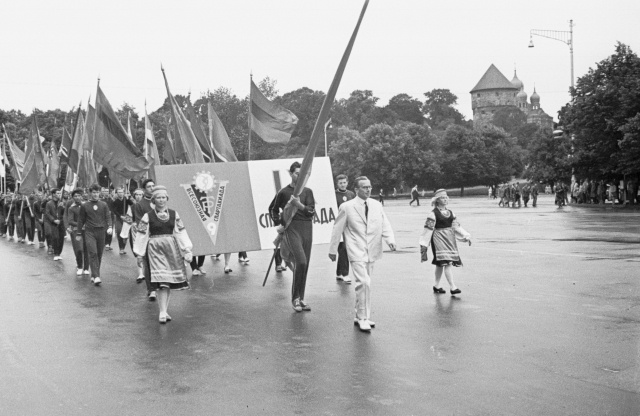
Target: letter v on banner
{"type": "Point", "coordinates": [206, 195]}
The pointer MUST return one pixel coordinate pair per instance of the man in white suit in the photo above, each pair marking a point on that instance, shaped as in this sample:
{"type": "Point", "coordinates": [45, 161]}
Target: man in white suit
{"type": "Point", "coordinates": [365, 226]}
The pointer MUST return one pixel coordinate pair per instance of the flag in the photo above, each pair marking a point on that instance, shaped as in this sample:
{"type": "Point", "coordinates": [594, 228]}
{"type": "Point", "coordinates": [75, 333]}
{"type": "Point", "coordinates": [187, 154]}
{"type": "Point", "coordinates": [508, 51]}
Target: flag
{"type": "Point", "coordinates": [75, 151]}
{"type": "Point", "coordinates": [130, 130]}
{"type": "Point", "coordinates": [34, 144]}
{"type": "Point", "coordinates": [270, 121]}
{"type": "Point", "coordinates": [185, 135]}
{"type": "Point", "coordinates": [218, 137]}
{"type": "Point", "coordinates": [169, 154]}
{"type": "Point", "coordinates": [316, 135]}
{"type": "Point", "coordinates": [112, 146]}
{"type": "Point", "coordinates": [30, 175]}
{"type": "Point", "coordinates": [65, 146]}
{"type": "Point", "coordinates": [54, 167]}
{"type": "Point", "coordinates": [202, 138]}
{"type": "Point", "coordinates": [150, 147]}
{"type": "Point", "coordinates": [87, 172]}
{"type": "Point", "coordinates": [17, 155]}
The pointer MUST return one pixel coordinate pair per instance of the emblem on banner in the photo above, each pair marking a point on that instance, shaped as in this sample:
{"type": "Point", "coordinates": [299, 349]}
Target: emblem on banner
{"type": "Point", "coordinates": [207, 197]}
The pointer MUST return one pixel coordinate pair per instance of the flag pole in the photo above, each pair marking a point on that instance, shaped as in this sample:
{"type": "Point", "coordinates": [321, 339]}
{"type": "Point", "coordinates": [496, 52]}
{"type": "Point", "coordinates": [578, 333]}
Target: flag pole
{"type": "Point", "coordinates": [249, 114]}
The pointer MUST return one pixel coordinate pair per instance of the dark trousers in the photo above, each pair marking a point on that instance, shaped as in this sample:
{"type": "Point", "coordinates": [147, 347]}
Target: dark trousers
{"type": "Point", "coordinates": [47, 233]}
{"type": "Point", "coordinates": [122, 242]}
{"type": "Point", "coordinates": [242, 255]}
{"type": "Point", "coordinates": [415, 198]}
{"type": "Point", "coordinates": [80, 250]}
{"type": "Point", "coordinates": [108, 238]}
{"type": "Point", "coordinates": [525, 199]}
{"type": "Point", "coordinates": [534, 200]}
{"type": "Point", "coordinates": [3, 225]}
{"type": "Point", "coordinates": [29, 227]}
{"type": "Point", "coordinates": [343, 260]}
{"type": "Point", "coordinates": [296, 249]}
{"type": "Point", "coordinates": [95, 240]}
{"type": "Point", "coordinates": [197, 262]}
{"type": "Point", "coordinates": [57, 238]}
{"type": "Point", "coordinates": [278, 257]}
{"type": "Point", "coordinates": [40, 231]}
{"type": "Point", "coordinates": [10, 226]}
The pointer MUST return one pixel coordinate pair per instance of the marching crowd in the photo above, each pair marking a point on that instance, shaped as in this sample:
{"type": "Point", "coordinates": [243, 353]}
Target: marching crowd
{"type": "Point", "coordinates": [157, 237]}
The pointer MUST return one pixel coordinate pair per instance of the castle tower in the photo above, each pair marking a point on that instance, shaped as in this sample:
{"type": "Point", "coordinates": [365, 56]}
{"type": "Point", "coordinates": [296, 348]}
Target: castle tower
{"type": "Point", "coordinates": [491, 93]}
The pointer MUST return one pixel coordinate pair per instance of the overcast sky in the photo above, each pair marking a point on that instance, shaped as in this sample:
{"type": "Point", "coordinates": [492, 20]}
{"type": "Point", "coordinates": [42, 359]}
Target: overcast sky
{"type": "Point", "coordinates": [52, 52]}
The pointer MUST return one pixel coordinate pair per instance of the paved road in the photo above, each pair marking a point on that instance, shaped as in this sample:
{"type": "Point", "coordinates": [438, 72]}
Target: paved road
{"type": "Point", "coordinates": [547, 324]}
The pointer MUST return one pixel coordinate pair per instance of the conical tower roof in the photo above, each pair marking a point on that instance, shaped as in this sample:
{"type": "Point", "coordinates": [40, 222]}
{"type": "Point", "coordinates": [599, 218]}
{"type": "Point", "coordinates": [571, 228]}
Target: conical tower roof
{"type": "Point", "coordinates": [493, 79]}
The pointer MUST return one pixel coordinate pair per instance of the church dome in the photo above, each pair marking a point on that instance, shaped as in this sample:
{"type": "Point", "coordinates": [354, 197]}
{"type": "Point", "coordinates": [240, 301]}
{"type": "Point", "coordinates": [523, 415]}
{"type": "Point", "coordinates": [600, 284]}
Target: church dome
{"type": "Point", "coordinates": [522, 96]}
{"type": "Point", "coordinates": [516, 82]}
{"type": "Point", "coordinates": [535, 98]}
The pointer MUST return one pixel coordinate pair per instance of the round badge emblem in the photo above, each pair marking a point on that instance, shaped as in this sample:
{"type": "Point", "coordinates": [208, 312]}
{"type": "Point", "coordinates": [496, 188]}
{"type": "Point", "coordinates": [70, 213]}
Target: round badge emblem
{"type": "Point", "coordinates": [204, 181]}
{"type": "Point", "coordinates": [95, 207]}
{"type": "Point", "coordinates": [344, 198]}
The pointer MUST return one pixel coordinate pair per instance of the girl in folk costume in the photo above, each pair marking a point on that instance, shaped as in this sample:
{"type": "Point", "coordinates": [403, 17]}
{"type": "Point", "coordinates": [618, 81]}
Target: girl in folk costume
{"type": "Point", "coordinates": [162, 237]}
{"type": "Point", "coordinates": [440, 232]}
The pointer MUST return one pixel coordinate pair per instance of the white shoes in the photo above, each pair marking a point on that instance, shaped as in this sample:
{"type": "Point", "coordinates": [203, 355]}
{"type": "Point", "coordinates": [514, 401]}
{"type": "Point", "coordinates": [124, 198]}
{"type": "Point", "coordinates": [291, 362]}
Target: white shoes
{"type": "Point", "coordinates": [201, 272]}
{"type": "Point", "coordinates": [152, 296]}
{"type": "Point", "coordinates": [57, 258]}
{"type": "Point", "coordinates": [96, 281]}
{"type": "Point", "coordinates": [79, 272]}
{"type": "Point", "coordinates": [196, 272]}
{"type": "Point", "coordinates": [364, 325]}
{"type": "Point", "coordinates": [86, 272]}
{"type": "Point", "coordinates": [345, 279]}
{"type": "Point", "coordinates": [371, 323]}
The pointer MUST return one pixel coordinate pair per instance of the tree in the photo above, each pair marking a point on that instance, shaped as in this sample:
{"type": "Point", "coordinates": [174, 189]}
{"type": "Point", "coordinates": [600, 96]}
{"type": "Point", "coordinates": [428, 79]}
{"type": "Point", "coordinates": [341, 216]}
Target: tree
{"type": "Point", "coordinates": [464, 158]}
{"type": "Point", "coordinates": [601, 116]}
{"type": "Point", "coordinates": [406, 108]}
{"type": "Point", "coordinates": [509, 118]}
{"type": "Point", "coordinates": [305, 103]}
{"type": "Point", "coordinates": [439, 109]}
{"type": "Point", "coordinates": [503, 158]}
{"type": "Point", "coordinates": [357, 112]}
{"type": "Point", "coordinates": [548, 159]}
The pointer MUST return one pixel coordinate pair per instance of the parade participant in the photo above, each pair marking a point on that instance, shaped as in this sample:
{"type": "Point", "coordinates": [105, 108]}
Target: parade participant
{"type": "Point", "coordinates": [54, 215]}
{"type": "Point", "coordinates": [139, 209]}
{"type": "Point", "coordinates": [105, 197]}
{"type": "Point", "coordinates": [3, 224]}
{"type": "Point", "coordinates": [343, 195]}
{"type": "Point", "coordinates": [526, 192]}
{"type": "Point", "coordinates": [119, 208]}
{"type": "Point", "coordinates": [38, 212]}
{"type": "Point", "coordinates": [534, 194]}
{"type": "Point", "coordinates": [242, 258]}
{"type": "Point", "coordinates": [297, 238]}
{"type": "Point", "coordinates": [414, 195]}
{"type": "Point", "coordinates": [163, 244]}
{"type": "Point", "coordinates": [18, 208]}
{"type": "Point", "coordinates": [560, 194]}
{"type": "Point", "coordinates": [72, 217]}
{"type": "Point", "coordinates": [46, 225]}
{"type": "Point", "coordinates": [11, 224]}
{"type": "Point", "coordinates": [365, 226]}
{"type": "Point", "coordinates": [95, 219]}
{"type": "Point", "coordinates": [443, 224]}
{"type": "Point", "coordinates": [197, 263]}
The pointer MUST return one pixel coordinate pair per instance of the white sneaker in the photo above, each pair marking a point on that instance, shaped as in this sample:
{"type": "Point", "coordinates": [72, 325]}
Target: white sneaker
{"type": "Point", "coordinates": [152, 295]}
{"type": "Point", "coordinates": [346, 279]}
{"type": "Point", "coordinates": [92, 280]}
{"type": "Point", "coordinates": [364, 326]}
{"type": "Point", "coordinates": [97, 281]}
{"type": "Point", "coordinates": [201, 272]}
{"type": "Point", "coordinates": [79, 272]}
{"type": "Point", "coordinates": [56, 258]}
{"type": "Point", "coordinates": [196, 272]}
{"type": "Point", "coordinates": [86, 272]}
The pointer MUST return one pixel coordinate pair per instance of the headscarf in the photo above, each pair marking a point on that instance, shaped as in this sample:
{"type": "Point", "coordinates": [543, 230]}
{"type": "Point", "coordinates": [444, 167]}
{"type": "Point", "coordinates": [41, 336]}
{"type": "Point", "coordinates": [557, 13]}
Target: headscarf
{"type": "Point", "coordinates": [437, 195]}
{"type": "Point", "coordinates": [159, 190]}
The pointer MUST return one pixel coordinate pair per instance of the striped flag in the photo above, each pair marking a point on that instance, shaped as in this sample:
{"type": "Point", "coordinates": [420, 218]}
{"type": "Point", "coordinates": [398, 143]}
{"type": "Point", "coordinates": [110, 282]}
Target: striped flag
{"type": "Point", "coordinates": [198, 130]}
{"type": "Point", "coordinates": [65, 145]}
{"type": "Point", "coordinates": [218, 137]}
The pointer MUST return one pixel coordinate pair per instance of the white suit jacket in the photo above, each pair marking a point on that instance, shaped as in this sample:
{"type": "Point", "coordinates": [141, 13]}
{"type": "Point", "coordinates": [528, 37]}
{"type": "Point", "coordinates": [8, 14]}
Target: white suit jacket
{"type": "Point", "coordinates": [363, 237]}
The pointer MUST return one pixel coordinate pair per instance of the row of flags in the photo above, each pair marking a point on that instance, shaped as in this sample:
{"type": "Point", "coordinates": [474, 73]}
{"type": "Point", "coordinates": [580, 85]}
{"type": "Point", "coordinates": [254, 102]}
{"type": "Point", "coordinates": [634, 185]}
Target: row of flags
{"type": "Point", "coordinates": [100, 140]}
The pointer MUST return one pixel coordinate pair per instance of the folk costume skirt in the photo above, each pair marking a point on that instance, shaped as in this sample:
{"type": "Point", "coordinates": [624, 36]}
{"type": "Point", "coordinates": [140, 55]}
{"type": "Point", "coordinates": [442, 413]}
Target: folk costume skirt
{"type": "Point", "coordinates": [445, 248]}
{"type": "Point", "coordinates": [166, 263]}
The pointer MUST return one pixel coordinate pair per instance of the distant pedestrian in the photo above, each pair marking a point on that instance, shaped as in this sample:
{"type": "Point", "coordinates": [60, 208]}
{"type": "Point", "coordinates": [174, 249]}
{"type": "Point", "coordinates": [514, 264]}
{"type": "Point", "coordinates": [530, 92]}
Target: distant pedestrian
{"type": "Point", "coordinates": [534, 194]}
{"type": "Point", "coordinates": [415, 195]}
{"type": "Point", "coordinates": [381, 197]}
{"type": "Point", "coordinates": [526, 192]}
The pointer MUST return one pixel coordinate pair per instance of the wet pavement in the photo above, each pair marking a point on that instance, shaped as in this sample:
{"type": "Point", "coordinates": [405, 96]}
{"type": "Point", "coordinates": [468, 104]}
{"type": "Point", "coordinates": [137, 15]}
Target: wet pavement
{"type": "Point", "coordinates": [547, 323]}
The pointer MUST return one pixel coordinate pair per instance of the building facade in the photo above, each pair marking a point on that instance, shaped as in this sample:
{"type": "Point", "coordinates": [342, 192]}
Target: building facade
{"type": "Point", "coordinates": [494, 92]}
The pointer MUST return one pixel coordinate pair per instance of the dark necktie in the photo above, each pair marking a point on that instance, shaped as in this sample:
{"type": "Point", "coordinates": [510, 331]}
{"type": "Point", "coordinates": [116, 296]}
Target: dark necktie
{"type": "Point", "coordinates": [366, 210]}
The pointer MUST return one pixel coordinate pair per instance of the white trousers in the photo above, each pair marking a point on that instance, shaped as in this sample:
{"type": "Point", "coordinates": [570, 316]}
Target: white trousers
{"type": "Point", "coordinates": [362, 272]}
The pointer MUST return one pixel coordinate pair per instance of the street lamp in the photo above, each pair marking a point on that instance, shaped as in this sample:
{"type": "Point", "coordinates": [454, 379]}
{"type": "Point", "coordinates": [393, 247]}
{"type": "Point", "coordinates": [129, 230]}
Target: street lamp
{"type": "Point", "coordinates": [563, 36]}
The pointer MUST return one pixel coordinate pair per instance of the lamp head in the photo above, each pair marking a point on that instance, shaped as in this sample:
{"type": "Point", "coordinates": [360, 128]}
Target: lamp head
{"type": "Point", "coordinates": [531, 42]}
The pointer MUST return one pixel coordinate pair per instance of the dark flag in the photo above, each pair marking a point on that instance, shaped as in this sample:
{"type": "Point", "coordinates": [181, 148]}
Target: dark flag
{"type": "Point", "coordinates": [65, 146]}
{"type": "Point", "coordinates": [198, 130]}
{"type": "Point", "coordinates": [271, 122]}
{"type": "Point", "coordinates": [17, 155]}
{"type": "Point", "coordinates": [112, 146]}
{"type": "Point", "coordinates": [219, 138]}
{"type": "Point", "coordinates": [150, 147]}
{"type": "Point", "coordinates": [35, 145]}
{"type": "Point", "coordinates": [54, 167]}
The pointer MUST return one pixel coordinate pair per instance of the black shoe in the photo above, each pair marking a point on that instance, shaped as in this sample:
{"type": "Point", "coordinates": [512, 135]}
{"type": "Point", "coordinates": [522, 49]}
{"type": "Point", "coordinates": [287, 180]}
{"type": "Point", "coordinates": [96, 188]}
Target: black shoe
{"type": "Point", "coordinates": [456, 291]}
{"type": "Point", "coordinates": [438, 290]}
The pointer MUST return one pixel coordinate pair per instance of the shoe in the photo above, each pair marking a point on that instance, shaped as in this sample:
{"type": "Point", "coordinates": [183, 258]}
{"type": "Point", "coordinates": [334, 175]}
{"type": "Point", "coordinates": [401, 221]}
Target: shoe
{"type": "Point", "coordinates": [41, 245]}
{"type": "Point", "coordinates": [215, 257]}
{"type": "Point", "coordinates": [168, 317]}
{"type": "Point", "coordinates": [456, 291]}
{"type": "Point", "coordinates": [140, 279]}
{"type": "Point", "coordinates": [86, 272]}
{"type": "Point", "coordinates": [97, 281]}
{"type": "Point", "coordinates": [364, 325]}
{"type": "Point", "coordinates": [279, 269]}
{"type": "Point", "coordinates": [57, 258]}
{"type": "Point", "coordinates": [108, 247]}
{"type": "Point", "coordinates": [202, 271]}
{"type": "Point", "coordinates": [371, 323]}
{"type": "Point", "coordinates": [49, 250]}
{"type": "Point", "coordinates": [297, 306]}
{"type": "Point", "coordinates": [123, 252]}
{"type": "Point", "coordinates": [79, 272]}
{"type": "Point", "coordinates": [305, 306]}
{"type": "Point", "coordinates": [152, 296]}
{"type": "Point", "coordinates": [93, 279]}
{"type": "Point", "coordinates": [162, 318]}
{"type": "Point", "coordinates": [346, 279]}
{"type": "Point", "coordinates": [196, 272]}
{"type": "Point", "coordinates": [21, 240]}
{"type": "Point", "coordinates": [245, 260]}
{"type": "Point", "coordinates": [31, 243]}
{"type": "Point", "coordinates": [438, 290]}
{"type": "Point", "coordinates": [227, 270]}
